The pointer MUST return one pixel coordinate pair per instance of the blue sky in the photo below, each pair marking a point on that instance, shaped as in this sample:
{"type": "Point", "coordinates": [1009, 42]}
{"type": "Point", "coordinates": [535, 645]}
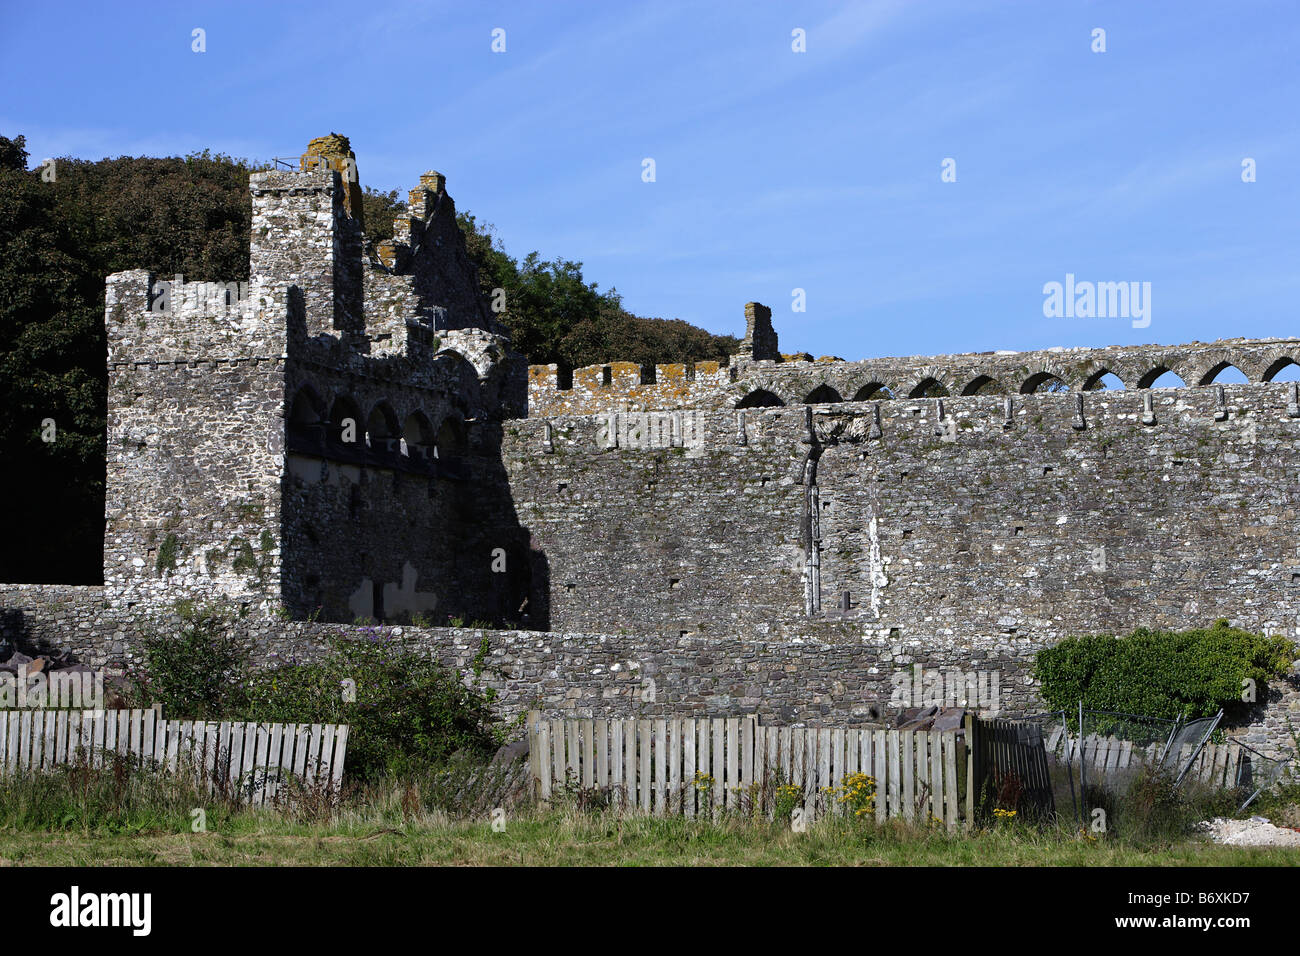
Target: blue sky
{"type": "Point", "coordinates": [775, 170]}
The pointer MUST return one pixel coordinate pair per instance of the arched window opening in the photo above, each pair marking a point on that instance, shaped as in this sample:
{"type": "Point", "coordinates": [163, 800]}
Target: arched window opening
{"type": "Point", "coordinates": [1283, 370]}
{"type": "Point", "coordinates": [417, 437]}
{"type": "Point", "coordinates": [345, 423]}
{"type": "Point", "coordinates": [451, 441]}
{"type": "Point", "coordinates": [823, 395]}
{"type": "Point", "coordinates": [1104, 380]}
{"type": "Point", "coordinates": [984, 385]}
{"type": "Point", "coordinates": [1225, 373]}
{"type": "Point", "coordinates": [1161, 378]}
{"type": "Point", "coordinates": [759, 398]}
{"type": "Point", "coordinates": [873, 391]}
{"type": "Point", "coordinates": [381, 429]}
{"type": "Point", "coordinates": [306, 424]}
{"type": "Point", "coordinates": [929, 388]}
{"type": "Point", "coordinates": [1043, 382]}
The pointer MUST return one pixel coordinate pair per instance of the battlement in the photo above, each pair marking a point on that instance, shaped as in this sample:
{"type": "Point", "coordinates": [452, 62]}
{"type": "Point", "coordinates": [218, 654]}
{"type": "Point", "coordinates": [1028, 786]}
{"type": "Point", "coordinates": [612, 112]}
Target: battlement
{"type": "Point", "coordinates": [250, 422]}
{"type": "Point", "coordinates": [623, 385]}
{"type": "Point", "coordinates": [150, 318]}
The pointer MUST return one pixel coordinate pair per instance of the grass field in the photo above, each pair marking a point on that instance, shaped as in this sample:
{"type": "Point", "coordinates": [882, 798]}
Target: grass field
{"type": "Point", "coordinates": [122, 814]}
{"type": "Point", "coordinates": [560, 838]}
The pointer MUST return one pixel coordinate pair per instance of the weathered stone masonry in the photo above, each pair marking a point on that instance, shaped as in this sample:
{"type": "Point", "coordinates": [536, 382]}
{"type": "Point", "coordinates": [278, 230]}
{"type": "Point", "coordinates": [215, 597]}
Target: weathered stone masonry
{"type": "Point", "coordinates": [774, 535]}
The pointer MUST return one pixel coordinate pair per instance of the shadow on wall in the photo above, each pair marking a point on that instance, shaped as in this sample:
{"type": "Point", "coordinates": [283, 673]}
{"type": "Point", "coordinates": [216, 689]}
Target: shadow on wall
{"type": "Point", "coordinates": [409, 533]}
{"type": "Point", "coordinates": [17, 636]}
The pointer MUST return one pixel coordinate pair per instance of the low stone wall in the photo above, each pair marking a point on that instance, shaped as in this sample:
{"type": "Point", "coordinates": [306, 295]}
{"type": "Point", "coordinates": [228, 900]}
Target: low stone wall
{"type": "Point", "coordinates": [834, 676]}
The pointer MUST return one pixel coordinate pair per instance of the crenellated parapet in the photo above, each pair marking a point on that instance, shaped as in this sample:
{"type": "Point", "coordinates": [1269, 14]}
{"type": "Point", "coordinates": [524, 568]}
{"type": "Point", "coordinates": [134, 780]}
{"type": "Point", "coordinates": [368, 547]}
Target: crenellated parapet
{"type": "Point", "coordinates": [624, 385]}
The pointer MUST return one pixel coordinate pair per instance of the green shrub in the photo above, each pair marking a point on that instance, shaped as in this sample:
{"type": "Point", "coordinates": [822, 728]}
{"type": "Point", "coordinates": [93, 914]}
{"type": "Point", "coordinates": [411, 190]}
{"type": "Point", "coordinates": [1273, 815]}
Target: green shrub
{"type": "Point", "coordinates": [1162, 673]}
{"type": "Point", "coordinates": [410, 714]}
{"type": "Point", "coordinates": [196, 674]}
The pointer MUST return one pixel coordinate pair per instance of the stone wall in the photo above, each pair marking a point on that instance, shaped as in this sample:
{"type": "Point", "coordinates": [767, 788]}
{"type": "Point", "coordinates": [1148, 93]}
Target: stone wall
{"type": "Point", "coordinates": [949, 516]}
{"type": "Point", "coordinates": [837, 673]}
{"type": "Point", "coordinates": [340, 440]}
{"type": "Point", "coordinates": [644, 534]}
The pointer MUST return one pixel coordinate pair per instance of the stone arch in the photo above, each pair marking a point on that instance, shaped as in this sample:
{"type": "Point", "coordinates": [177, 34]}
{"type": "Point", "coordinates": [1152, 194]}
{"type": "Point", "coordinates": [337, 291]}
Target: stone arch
{"type": "Point", "coordinates": [1276, 366]}
{"type": "Point", "coordinates": [461, 373]}
{"type": "Point", "coordinates": [1094, 381]}
{"type": "Point", "coordinates": [873, 391]}
{"type": "Point", "coordinates": [452, 440]}
{"type": "Point", "coordinates": [1043, 382]}
{"type": "Point", "coordinates": [417, 436]}
{"type": "Point", "coordinates": [1150, 377]}
{"type": "Point", "coordinates": [345, 409]}
{"type": "Point", "coordinates": [823, 394]}
{"type": "Point", "coordinates": [760, 398]}
{"type": "Point", "coordinates": [984, 385]}
{"type": "Point", "coordinates": [1209, 375]}
{"type": "Point", "coordinates": [929, 387]}
{"type": "Point", "coordinates": [305, 426]}
{"type": "Point", "coordinates": [382, 431]}
{"type": "Point", "coordinates": [307, 408]}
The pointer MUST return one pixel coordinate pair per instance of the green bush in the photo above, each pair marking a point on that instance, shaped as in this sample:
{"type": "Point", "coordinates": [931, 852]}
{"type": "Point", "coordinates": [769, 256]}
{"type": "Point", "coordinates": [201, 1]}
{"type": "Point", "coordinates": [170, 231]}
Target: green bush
{"type": "Point", "coordinates": [410, 714]}
{"type": "Point", "coordinates": [196, 674]}
{"type": "Point", "coordinates": [1162, 673]}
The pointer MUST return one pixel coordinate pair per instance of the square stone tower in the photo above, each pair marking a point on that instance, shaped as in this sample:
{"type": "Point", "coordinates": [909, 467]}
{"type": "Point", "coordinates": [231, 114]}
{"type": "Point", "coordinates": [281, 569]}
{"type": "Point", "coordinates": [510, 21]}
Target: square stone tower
{"type": "Point", "coordinates": [306, 439]}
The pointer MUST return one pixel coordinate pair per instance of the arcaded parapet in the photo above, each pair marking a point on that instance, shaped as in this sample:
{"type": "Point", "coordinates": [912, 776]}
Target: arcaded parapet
{"type": "Point", "coordinates": [996, 373]}
{"type": "Point", "coordinates": [798, 379]}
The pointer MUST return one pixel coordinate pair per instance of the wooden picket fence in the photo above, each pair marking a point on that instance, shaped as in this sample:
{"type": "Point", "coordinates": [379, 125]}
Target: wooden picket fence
{"type": "Point", "coordinates": [245, 758]}
{"type": "Point", "coordinates": [705, 766]}
{"type": "Point", "coordinates": [1217, 765]}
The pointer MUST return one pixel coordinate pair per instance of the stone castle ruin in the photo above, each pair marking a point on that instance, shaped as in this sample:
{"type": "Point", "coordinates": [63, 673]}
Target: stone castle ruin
{"type": "Point", "coordinates": [354, 438]}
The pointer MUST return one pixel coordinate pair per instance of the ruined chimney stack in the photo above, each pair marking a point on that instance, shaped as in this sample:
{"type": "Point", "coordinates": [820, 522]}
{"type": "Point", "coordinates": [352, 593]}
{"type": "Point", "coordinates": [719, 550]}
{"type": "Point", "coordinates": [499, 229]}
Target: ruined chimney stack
{"type": "Point", "coordinates": [760, 344]}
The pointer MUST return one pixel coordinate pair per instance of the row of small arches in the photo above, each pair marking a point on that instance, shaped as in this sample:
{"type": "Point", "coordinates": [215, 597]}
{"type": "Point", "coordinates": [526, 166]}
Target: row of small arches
{"type": "Point", "coordinates": [381, 430]}
{"type": "Point", "coordinates": [1160, 377]}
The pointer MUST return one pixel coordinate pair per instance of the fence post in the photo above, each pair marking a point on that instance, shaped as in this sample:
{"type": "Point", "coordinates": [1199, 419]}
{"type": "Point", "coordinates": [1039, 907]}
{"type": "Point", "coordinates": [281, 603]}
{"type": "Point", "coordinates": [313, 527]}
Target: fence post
{"type": "Point", "coordinates": [1083, 767]}
{"type": "Point", "coordinates": [972, 771]}
{"type": "Point", "coordinates": [533, 757]}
